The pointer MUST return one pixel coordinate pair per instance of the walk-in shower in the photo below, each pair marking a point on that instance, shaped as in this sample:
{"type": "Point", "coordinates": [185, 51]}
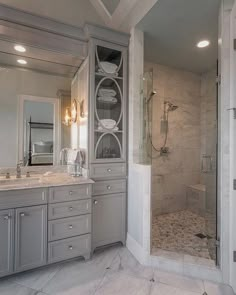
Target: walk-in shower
{"type": "Point", "coordinates": [181, 135]}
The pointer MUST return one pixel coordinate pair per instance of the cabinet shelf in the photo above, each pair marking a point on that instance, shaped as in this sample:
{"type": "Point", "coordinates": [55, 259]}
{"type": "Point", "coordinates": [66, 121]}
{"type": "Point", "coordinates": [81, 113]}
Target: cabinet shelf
{"type": "Point", "coordinates": [101, 74]}
{"type": "Point", "coordinates": [108, 131]}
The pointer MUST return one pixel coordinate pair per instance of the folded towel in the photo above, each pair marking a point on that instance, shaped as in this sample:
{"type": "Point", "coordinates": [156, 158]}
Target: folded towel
{"type": "Point", "coordinates": [106, 92]}
{"type": "Point", "coordinates": [100, 128]}
{"type": "Point", "coordinates": [108, 67]}
{"type": "Point", "coordinates": [107, 99]}
{"type": "Point", "coordinates": [108, 121]}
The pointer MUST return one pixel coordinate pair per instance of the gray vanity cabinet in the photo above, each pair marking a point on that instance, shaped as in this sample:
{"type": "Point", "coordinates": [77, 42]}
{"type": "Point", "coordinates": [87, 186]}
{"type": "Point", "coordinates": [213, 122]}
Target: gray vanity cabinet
{"type": "Point", "coordinates": [109, 219]}
{"type": "Point", "coordinates": [30, 237]}
{"type": "Point", "coordinates": [6, 241]}
{"type": "Point", "coordinates": [107, 145]}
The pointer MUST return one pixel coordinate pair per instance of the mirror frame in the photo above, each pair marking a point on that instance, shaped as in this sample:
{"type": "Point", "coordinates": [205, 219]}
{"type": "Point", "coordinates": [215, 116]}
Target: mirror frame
{"type": "Point", "coordinates": [56, 121]}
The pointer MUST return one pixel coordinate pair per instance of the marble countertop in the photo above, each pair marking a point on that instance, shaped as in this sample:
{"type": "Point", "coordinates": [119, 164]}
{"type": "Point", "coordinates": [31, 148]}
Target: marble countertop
{"type": "Point", "coordinates": [43, 180]}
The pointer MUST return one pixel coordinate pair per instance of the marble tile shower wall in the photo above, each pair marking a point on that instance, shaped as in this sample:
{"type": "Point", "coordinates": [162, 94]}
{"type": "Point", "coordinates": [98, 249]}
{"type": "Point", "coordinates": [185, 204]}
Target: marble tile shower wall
{"type": "Point", "coordinates": [171, 174]}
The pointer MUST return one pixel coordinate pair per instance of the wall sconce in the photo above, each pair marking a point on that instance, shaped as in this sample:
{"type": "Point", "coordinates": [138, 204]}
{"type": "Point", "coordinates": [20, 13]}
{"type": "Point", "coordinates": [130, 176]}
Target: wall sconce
{"type": "Point", "coordinates": [71, 113]}
{"type": "Point", "coordinates": [74, 111]}
{"type": "Point", "coordinates": [67, 118]}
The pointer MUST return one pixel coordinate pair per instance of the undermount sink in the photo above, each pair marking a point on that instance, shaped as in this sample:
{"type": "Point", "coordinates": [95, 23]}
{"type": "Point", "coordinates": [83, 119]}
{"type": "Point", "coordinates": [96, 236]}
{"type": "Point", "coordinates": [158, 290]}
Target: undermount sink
{"type": "Point", "coordinates": [15, 181]}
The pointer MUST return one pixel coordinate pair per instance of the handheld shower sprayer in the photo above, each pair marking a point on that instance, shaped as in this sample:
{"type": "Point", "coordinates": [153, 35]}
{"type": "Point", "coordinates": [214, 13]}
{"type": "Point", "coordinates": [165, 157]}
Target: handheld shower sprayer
{"type": "Point", "coordinates": [153, 92]}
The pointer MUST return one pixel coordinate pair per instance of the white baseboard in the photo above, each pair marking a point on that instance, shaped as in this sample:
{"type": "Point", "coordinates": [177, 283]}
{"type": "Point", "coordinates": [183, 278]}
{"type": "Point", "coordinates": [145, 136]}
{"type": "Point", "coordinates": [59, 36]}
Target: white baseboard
{"type": "Point", "coordinates": [136, 249]}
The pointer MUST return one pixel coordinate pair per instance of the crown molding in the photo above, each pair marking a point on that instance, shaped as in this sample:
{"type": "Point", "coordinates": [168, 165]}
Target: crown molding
{"type": "Point", "coordinates": [106, 34]}
{"type": "Point", "coordinates": [61, 93]}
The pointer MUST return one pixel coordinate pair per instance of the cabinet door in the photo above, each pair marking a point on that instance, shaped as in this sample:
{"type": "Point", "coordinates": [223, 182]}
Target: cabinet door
{"type": "Point", "coordinates": [109, 219]}
{"type": "Point", "coordinates": [6, 241]}
{"type": "Point", "coordinates": [31, 237]}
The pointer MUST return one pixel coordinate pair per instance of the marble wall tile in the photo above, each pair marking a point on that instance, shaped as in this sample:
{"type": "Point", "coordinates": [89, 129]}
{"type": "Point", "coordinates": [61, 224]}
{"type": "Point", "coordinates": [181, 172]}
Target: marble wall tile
{"type": "Point", "coordinates": [183, 89]}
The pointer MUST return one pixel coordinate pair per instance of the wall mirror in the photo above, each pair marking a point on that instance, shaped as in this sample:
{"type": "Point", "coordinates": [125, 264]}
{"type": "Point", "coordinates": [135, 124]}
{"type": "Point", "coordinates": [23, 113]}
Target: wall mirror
{"type": "Point", "coordinates": [35, 93]}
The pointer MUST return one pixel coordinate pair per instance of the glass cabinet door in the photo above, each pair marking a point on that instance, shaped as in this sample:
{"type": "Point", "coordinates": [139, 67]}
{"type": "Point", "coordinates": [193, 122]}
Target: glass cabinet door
{"type": "Point", "coordinates": [108, 61]}
{"type": "Point", "coordinates": [108, 104]}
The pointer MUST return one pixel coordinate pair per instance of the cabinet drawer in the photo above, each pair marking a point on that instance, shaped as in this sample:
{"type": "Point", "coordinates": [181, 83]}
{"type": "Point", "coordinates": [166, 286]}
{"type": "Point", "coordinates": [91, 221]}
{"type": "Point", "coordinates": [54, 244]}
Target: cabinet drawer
{"type": "Point", "coordinates": [69, 227]}
{"type": "Point", "coordinates": [69, 193]}
{"type": "Point", "coordinates": [22, 198]}
{"type": "Point", "coordinates": [69, 248]}
{"type": "Point", "coordinates": [102, 171]}
{"type": "Point", "coordinates": [69, 209]}
{"type": "Point", "coordinates": [109, 187]}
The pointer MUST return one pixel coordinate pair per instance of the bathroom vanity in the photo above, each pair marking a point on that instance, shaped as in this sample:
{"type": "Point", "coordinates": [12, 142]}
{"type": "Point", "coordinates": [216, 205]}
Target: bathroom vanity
{"type": "Point", "coordinates": [75, 98]}
{"type": "Point", "coordinates": [45, 222]}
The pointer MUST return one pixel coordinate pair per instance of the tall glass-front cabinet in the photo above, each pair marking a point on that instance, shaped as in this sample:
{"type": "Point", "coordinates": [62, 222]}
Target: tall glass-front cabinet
{"type": "Point", "coordinates": [108, 140]}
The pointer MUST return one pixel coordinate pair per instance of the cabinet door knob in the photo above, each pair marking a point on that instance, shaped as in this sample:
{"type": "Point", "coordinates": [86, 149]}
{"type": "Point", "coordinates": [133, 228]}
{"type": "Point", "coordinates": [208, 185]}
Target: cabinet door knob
{"type": "Point", "coordinates": [109, 170]}
{"type": "Point", "coordinates": [70, 248]}
{"type": "Point", "coordinates": [70, 193]}
{"type": "Point", "coordinates": [70, 208]}
{"type": "Point", "coordinates": [95, 202]}
{"type": "Point", "coordinates": [70, 226]}
{"type": "Point", "coordinates": [6, 217]}
{"type": "Point", "coordinates": [108, 187]}
{"type": "Point", "coordinates": [22, 214]}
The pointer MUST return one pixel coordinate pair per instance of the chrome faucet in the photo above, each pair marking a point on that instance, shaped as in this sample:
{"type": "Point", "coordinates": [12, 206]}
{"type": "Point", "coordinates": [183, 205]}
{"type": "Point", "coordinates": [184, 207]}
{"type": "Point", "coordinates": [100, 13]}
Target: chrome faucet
{"type": "Point", "coordinates": [18, 170]}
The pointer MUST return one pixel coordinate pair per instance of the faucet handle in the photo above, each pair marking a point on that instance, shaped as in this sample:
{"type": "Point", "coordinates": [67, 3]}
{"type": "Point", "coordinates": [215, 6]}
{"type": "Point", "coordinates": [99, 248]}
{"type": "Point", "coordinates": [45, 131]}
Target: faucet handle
{"type": "Point", "coordinates": [19, 164]}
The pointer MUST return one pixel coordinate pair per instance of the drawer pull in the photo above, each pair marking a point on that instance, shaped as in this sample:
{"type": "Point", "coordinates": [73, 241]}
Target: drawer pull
{"type": "Point", "coordinates": [71, 208]}
{"type": "Point", "coordinates": [22, 214]}
{"type": "Point", "coordinates": [95, 202]}
{"type": "Point", "coordinates": [6, 217]}
{"type": "Point", "coordinates": [109, 170]}
{"type": "Point", "coordinates": [108, 187]}
{"type": "Point", "coordinates": [70, 226]}
{"type": "Point", "coordinates": [70, 247]}
{"type": "Point", "coordinates": [70, 193]}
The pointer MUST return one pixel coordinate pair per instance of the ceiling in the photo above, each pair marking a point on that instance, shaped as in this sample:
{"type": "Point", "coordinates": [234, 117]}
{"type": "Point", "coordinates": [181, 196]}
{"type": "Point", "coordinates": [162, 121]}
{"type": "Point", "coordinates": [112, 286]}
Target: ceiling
{"type": "Point", "coordinates": [72, 12]}
{"type": "Point", "coordinates": [173, 28]}
{"type": "Point", "coordinates": [40, 60]}
{"type": "Point", "coordinates": [115, 14]}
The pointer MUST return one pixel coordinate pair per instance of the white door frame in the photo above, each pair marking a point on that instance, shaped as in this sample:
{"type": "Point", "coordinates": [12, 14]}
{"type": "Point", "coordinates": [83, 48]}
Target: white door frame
{"type": "Point", "coordinates": [56, 121]}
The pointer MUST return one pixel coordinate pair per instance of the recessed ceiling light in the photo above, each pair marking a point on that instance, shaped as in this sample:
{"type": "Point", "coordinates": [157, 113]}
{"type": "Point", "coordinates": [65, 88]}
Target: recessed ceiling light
{"type": "Point", "coordinates": [22, 61]}
{"type": "Point", "coordinates": [20, 48]}
{"type": "Point", "coordinates": [203, 43]}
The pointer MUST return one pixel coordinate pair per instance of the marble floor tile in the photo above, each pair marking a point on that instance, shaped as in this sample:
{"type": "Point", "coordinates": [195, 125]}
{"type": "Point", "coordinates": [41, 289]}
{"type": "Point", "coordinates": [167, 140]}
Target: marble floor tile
{"type": "Point", "coordinates": [112, 271]}
{"type": "Point", "coordinates": [199, 260]}
{"type": "Point", "coordinates": [216, 289]}
{"type": "Point", "coordinates": [81, 277]}
{"type": "Point", "coordinates": [178, 281]}
{"type": "Point", "coordinates": [10, 288]}
{"type": "Point", "coordinates": [36, 279]}
{"type": "Point", "coordinates": [123, 284]}
{"type": "Point", "coordinates": [162, 289]}
{"type": "Point", "coordinates": [126, 263]}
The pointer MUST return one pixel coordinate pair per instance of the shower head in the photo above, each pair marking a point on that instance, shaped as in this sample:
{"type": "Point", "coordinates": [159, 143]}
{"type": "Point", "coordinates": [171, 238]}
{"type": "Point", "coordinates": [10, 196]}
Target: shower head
{"type": "Point", "coordinates": [173, 108]}
{"type": "Point", "coordinates": [153, 92]}
{"type": "Point", "coordinates": [170, 106]}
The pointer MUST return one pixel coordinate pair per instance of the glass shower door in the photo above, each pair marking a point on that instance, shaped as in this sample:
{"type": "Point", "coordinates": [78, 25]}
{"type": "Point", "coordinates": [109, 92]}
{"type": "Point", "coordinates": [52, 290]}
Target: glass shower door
{"type": "Point", "coordinates": [209, 163]}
